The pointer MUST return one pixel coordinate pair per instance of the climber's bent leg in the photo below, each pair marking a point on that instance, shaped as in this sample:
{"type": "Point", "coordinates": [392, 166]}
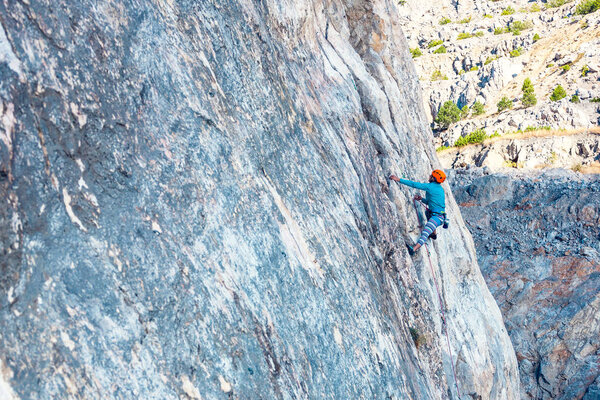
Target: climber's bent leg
{"type": "Point", "coordinates": [431, 225]}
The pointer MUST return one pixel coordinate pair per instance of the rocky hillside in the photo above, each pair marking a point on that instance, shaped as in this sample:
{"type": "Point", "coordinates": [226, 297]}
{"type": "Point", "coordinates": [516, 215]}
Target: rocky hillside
{"type": "Point", "coordinates": [578, 151]}
{"type": "Point", "coordinates": [482, 51]}
{"type": "Point", "coordinates": [538, 244]}
{"type": "Point", "coordinates": [196, 206]}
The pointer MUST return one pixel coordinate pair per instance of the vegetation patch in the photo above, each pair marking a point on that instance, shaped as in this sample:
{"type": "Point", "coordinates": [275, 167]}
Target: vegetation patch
{"type": "Point", "coordinates": [445, 20]}
{"type": "Point", "coordinates": [490, 59]}
{"type": "Point", "coordinates": [440, 50]}
{"type": "Point", "coordinates": [478, 108]}
{"type": "Point", "coordinates": [465, 20]}
{"type": "Point", "coordinates": [438, 76]}
{"type": "Point", "coordinates": [587, 6]}
{"type": "Point", "coordinates": [566, 67]}
{"type": "Point", "coordinates": [584, 70]}
{"type": "Point", "coordinates": [508, 11]}
{"type": "Point", "coordinates": [536, 37]}
{"type": "Point", "coordinates": [558, 93]}
{"type": "Point", "coordinates": [477, 136]}
{"type": "Point", "coordinates": [528, 98]}
{"type": "Point", "coordinates": [504, 104]}
{"type": "Point", "coordinates": [516, 52]}
{"type": "Point", "coordinates": [517, 26]}
{"type": "Point", "coordinates": [575, 99]}
{"type": "Point", "coordinates": [535, 8]}
{"type": "Point", "coordinates": [556, 3]}
{"type": "Point", "coordinates": [434, 43]}
{"type": "Point", "coordinates": [449, 113]}
{"type": "Point", "coordinates": [416, 52]}
{"type": "Point", "coordinates": [501, 30]}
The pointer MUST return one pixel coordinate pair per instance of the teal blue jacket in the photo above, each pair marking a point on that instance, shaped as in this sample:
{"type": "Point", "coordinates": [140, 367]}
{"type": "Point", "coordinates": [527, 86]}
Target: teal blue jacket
{"type": "Point", "coordinates": [435, 197]}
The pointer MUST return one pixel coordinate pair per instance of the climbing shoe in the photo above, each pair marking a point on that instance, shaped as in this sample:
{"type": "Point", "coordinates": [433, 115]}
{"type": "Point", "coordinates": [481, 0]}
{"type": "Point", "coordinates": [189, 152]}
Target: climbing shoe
{"type": "Point", "coordinates": [433, 235]}
{"type": "Point", "coordinates": [410, 249]}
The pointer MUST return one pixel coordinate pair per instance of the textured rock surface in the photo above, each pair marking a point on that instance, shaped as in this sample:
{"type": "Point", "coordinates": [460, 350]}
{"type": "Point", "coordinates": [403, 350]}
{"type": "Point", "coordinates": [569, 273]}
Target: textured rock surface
{"type": "Point", "coordinates": [538, 244]}
{"type": "Point", "coordinates": [195, 206]}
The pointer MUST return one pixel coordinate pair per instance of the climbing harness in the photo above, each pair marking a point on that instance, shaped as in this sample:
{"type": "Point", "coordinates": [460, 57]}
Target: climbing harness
{"type": "Point", "coordinates": [443, 314]}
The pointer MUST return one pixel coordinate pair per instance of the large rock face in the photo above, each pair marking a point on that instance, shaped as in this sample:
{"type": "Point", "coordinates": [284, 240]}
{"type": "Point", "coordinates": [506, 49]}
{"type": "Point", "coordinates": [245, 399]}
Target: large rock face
{"type": "Point", "coordinates": [195, 204]}
{"type": "Point", "coordinates": [538, 244]}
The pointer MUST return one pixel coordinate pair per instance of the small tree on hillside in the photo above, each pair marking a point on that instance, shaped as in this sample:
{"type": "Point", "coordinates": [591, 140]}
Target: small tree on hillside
{"type": "Point", "coordinates": [449, 113]}
{"type": "Point", "coordinates": [558, 93]}
{"type": "Point", "coordinates": [478, 108]}
{"type": "Point", "coordinates": [505, 104]}
{"type": "Point", "coordinates": [528, 98]}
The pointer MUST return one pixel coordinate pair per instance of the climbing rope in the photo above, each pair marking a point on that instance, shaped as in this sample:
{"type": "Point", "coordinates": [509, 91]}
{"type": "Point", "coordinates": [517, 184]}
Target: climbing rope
{"type": "Point", "coordinates": [445, 326]}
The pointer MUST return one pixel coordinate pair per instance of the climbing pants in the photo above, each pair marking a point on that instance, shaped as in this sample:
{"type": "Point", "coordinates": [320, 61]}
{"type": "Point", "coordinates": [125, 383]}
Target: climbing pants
{"type": "Point", "coordinates": [435, 221]}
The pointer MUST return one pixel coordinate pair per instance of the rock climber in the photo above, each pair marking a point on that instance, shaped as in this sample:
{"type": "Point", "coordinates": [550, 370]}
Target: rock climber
{"type": "Point", "coordinates": [435, 200]}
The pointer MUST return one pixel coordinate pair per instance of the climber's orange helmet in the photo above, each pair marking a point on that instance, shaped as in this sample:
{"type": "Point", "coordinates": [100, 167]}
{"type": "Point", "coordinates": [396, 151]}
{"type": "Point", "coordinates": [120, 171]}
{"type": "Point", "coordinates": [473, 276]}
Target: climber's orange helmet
{"type": "Point", "coordinates": [438, 175]}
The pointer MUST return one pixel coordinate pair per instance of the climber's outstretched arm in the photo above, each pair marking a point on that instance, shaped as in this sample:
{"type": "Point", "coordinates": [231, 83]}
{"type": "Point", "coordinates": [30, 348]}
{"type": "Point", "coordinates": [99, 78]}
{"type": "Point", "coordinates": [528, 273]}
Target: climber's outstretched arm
{"type": "Point", "coordinates": [416, 185]}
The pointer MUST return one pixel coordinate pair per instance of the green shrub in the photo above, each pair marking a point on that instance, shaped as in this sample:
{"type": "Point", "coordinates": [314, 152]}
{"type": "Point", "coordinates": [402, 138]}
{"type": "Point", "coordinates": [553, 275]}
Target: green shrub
{"type": "Point", "coordinates": [516, 52]}
{"type": "Point", "coordinates": [536, 37]}
{"type": "Point", "coordinates": [556, 3]}
{"type": "Point", "coordinates": [566, 67]}
{"type": "Point", "coordinates": [495, 134]}
{"type": "Point", "coordinates": [477, 136]}
{"type": "Point", "coordinates": [440, 50]}
{"type": "Point", "coordinates": [465, 21]}
{"type": "Point", "coordinates": [449, 113]}
{"type": "Point", "coordinates": [462, 71]}
{"type": "Point", "coordinates": [478, 108]}
{"type": "Point", "coordinates": [584, 70]}
{"type": "Point", "coordinates": [587, 6]}
{"type": "Point", "coordinates": [508, 11]}
{"type": "Point", "coordinates": [550, 65]}
{"type": "Point", "coordinates": [500, 31]}
{"type": "Point", "coordinates": [438, 76]}
{"type": "Point", "coordinates": [504, 104]}
{"type": "Point", "coordinates": [474, 68]}
{"type": "Point", "coordinates": [434, 43]}
{"type": "Point", "coordinates": [558, 93]}
{"type": "Point", "coordinates": [535, 8]}
{"type": "Point", "coordinates": [487, 16]}
{"type": "Point", "coordinates": [445, 21]}
{"type": "Point", "coordinates": [479, 34]}
{"type": "Point", "coordinates": [575, 99]}
{"type": "Point", "coordinates": [517, 26]}
{"type": "Point", "coordinates": [464, 35]}
{"type": "Point", "coordinates": [464, 112]}
{"type": "Point", "coordinates": [416, 52]}
{"type": "Point", "coordinates": [490, 59]}
{"type": "Point", "coordinates": [528, 98]}
{"type": "Point", "coordinates": [442, 148]}
{"type": "Point", "coordinates": [595, 100]}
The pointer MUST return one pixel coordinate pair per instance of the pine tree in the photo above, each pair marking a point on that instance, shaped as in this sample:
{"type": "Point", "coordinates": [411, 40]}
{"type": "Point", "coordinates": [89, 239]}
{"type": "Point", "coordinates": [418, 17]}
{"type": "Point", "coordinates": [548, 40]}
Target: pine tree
{"type": "Point", "coordinates": [529, 98]}
{"type": "Point", "coordinates": [449, 113]}
{"type": "Point", "coordinates": [558, 93]}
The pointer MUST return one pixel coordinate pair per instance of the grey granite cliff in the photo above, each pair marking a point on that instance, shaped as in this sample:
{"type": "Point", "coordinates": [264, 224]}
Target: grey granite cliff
{"type": "Point", "coordinates": [195, 205]}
